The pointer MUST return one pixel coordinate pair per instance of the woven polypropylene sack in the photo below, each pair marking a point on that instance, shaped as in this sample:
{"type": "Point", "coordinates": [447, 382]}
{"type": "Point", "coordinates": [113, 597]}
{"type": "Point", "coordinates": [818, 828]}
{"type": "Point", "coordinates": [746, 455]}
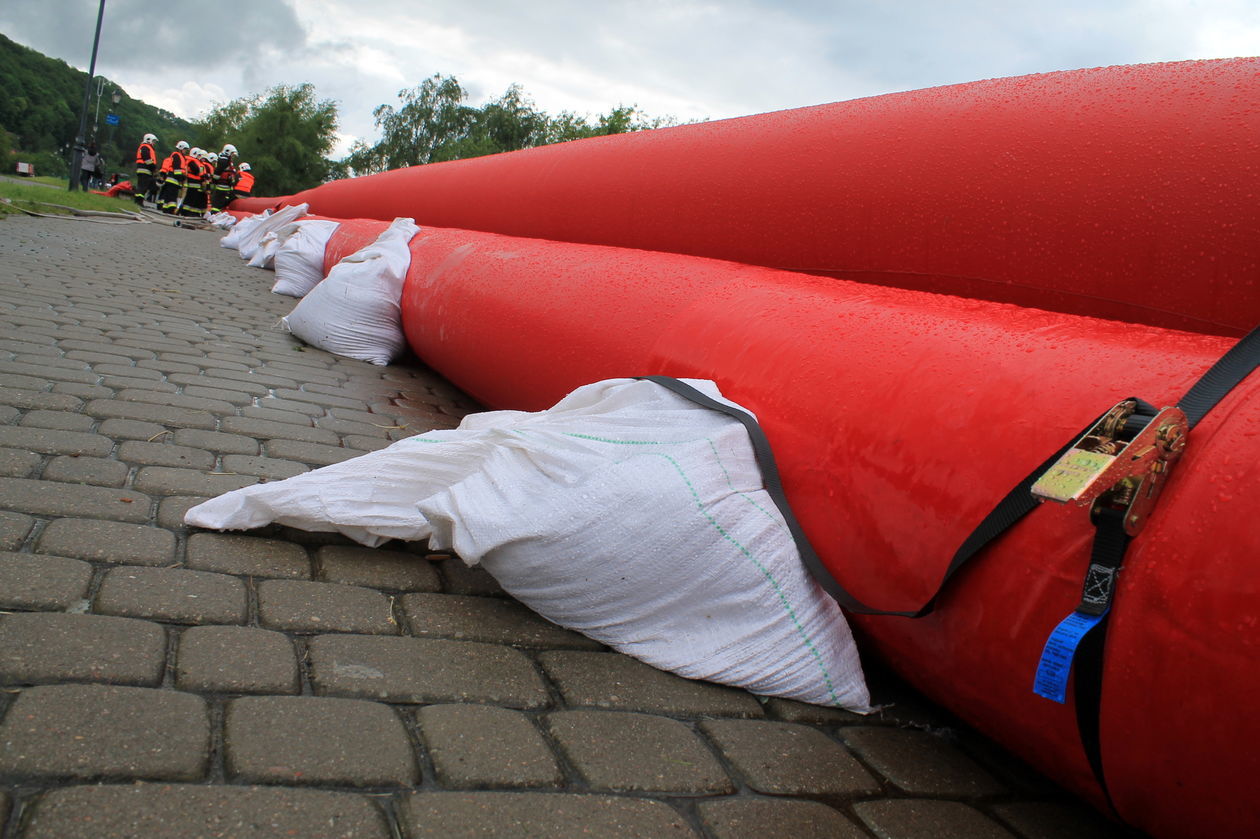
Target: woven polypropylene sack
{"type": "Point", "coordinates": [356, 310]}
{"type": "Point", "coordinates": [299, 261]}
{"type": "Point", "coordinates": [625, 512]}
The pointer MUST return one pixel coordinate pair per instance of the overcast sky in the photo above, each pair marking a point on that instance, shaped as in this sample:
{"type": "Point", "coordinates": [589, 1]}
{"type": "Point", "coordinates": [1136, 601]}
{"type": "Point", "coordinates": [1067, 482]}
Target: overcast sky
{"type": "Point", "coordinates": [690, 59]}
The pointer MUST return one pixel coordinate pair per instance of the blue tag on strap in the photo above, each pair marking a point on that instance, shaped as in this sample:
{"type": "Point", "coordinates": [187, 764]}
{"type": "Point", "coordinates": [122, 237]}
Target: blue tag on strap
{"type": "Point", "coordinates": [1056, 658]}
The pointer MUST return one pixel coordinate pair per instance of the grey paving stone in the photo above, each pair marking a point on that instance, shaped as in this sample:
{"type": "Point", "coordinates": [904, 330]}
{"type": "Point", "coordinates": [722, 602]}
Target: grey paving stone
{"type": "Point", "coordinates": [490, 619]}
{"type": "Point", "coordinates": [315, 454]}
{"type": "Point", "coordinates": [199, 382]}
{"type": "Point", "coordinates": [625, 752]}
{"type": "Point", "coordinates": [266, 379]}
{"type": "Point", "coordinates": [376, 567]}
{"type": "Point", "coordinates": [282, 410]}
{"type": "Point", "coordinates": [302, 606]}
{"type": "Point", "coordinates": [1052, 820]}
{"type": "Point", "coordinates": [174, 417]}
{"type": "Point", "coordinates": [172, 594]}
{"type": "Point", "coordinates": [502, 815]}
{"type": "Point", "coordinates": [781, 758]}
{"type": "Point", "coordinates": [216, 441]}
{"type": "Point", "coordinates": [165, 480]}
{"type": "Point", "coordinates": [14, 528]}
{"type": "Point", "coordinates": [118, 383]}
{"type": "Point", "coordinates": [774, 818]}
{"type": "Point", "coordinates": [55, 374]}
{"type": "Point", "coordinates": [99, 357]}
{"type": "Point", "coordinates": [37, 647]}
{"type": "Point", "coordinates": [143, 453]}
{"type": "Point", "coordinates": [82, 391]}
{"type": "Point", "coordinates": [126, 371]}
{"type": "Point", "coordinates": [322, 399]}
{"type": "Point", "coordinates": [262, 467]}
{"type": "Point", "coordinates": [924, 819]}
{"type": "Point", "coordinates": [317, 740]}
{"type": "Point", "coordinates": [105, 731]}
{"type": "Point", "coordinates": [15, 463]}
{"type": "Point", "coordinates": [58, 420]}
{"type": "Point", "coordinates": [362, 444]}
{"type": "Point", "coordinates": [421, 670]}
{"type": "Point", "coordinates": [234, 397]}
{"type": "Point", "coordinates": [184, 400]}
{"type": "Point", "coordinates": [39, 399]}
{"type": "Point", "coordinates": [458, 578]}
{"type": "Point", "coordinates": [130, 352]}
{"type": "Point", "coordinates": [173, 811]}
{"type": "Point", "coordinates": [247, 555]}
{"type": "Point", "coordinates": [269, 429]}
{"type": "Point", "coordinates": [28, 581]}
{"type": "Point", "coordinates": [618, 682]}
{"type": "Point", "coordinates": [171, 510]}
{"type": "Point", "coordinates": [107, 541]}
{"type": "Point", "coordinates": [920, 763]}
{"type": "Point", "coordinates": [96, 471]}
{"type": "Point", "coordinates": [203, 362]}
{"type": "Point", "coordinates": [45, 498]}
{"type": "Point", "coordinates": [125, 429]}
{"type": "Point", "coordinates": [481, 747]}
{"type": "Point", "coordinates": [360, 429]}
{"type": "Point", "coordinates": [236, 659]}
{"type": "Point", "coordinates": [52, 441]}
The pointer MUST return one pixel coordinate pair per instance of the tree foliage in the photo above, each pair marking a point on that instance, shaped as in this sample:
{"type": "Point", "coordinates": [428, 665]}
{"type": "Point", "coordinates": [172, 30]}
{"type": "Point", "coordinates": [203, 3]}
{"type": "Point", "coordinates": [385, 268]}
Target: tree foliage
{"type": "Point", "coordinates": [434, 123]}
{"type": "Point", "coordinates": [40, 98]}
{"type": "Point", "coordinates": [285, 135]}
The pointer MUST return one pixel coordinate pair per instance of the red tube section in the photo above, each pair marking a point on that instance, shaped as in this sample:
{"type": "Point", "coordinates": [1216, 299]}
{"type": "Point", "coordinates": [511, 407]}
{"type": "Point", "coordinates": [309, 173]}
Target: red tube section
{"type": "Point", "coordinates": [1130, 193]}
{"type": "Point", "coordinates": [899, 418]}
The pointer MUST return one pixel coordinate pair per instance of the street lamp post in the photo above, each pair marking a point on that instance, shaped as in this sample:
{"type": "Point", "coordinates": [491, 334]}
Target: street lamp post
{"type": "Point", "coordinates": [111, 119]}
{"type": "Point", "coordinates": [77, 158]}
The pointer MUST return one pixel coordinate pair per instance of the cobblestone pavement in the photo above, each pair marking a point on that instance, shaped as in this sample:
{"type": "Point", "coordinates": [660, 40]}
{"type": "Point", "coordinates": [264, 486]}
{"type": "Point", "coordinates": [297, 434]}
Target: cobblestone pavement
{"type": "Point", "coordinates": [157, 682]}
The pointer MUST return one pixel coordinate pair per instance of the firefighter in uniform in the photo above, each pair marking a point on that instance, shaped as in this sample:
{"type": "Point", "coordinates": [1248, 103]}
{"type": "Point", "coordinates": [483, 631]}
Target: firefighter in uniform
{"type": "Point", "coordinates": [194, 204]}
{"type": "Point", "coordinates": [244, 182]}
{"type": "Point", "coordinates": [146, 162]}
{"type": "Point", "coordinates": [172, 176]}
{"type": "Point", "coordinates": [224, 178]}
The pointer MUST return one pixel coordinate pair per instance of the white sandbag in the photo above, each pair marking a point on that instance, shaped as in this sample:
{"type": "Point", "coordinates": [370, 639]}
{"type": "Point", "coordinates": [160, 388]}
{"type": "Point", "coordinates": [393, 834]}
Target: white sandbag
{"type": "Point", "coordinates": [624, 512]}
{"type": "Point", "coordinates": [356, 310]}
{"type": "Point", "coordinates": [299, 261]}
{"type": "Point", "coordinates": [265, 255]}
{"type": "Point", "coordinates": [241, 229]}
{"type": "Point", "coordinates": [252, 240]}
{"type": "Point", "coordinates": [222, 220]}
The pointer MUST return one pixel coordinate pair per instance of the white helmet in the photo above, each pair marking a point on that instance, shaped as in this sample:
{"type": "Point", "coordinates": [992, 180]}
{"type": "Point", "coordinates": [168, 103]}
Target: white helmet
{"type": "Point", "coordinates": [149, 138]}
{"type": "Point", "coordinates": [244, 167]}
{"type": "Point", "coordinates": [182, 145]}
{"type": "Point", "coordinates": [212, 157]}
{"type": "Point", "coordinates": [229, 150]}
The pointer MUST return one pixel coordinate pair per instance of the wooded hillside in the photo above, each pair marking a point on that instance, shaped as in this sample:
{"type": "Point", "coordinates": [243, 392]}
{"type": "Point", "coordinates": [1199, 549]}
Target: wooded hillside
{"type": "Point", "coordinates": [40, 99]}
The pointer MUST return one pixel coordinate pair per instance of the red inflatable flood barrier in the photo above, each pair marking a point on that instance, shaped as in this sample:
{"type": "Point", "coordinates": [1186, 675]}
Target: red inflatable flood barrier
{"type": "Point", "coordinates": [899, 419]}
{"type": "Point", "coordinates": [1124, 192]}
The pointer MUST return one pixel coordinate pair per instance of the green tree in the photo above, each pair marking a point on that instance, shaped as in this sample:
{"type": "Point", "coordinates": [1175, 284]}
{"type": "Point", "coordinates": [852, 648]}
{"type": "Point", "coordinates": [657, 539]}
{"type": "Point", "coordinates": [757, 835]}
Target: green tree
{"type": "Point", "coordinates": [432, 116]}
{"type": "Point", "coordinates": [285, 135]}
{"type": "Point", "coordinates": [434, 124]}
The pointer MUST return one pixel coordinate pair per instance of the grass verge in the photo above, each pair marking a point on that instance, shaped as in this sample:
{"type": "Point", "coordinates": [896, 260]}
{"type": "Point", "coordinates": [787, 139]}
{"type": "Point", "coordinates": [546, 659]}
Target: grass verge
{"type": "Point", "coordinates": [15, 197]}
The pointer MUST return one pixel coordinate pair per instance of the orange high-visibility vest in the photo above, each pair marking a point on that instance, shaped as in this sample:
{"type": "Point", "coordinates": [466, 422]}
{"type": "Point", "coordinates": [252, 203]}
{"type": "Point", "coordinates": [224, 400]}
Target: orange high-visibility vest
{"type": "Point", "coordinates": [194, 167]}
{"type": "Point", "coordinates": [146, 155]}
{"type": "Point", "coordinates": [174, 164]}
{"type": "Point", "coordinates": [244, 181]}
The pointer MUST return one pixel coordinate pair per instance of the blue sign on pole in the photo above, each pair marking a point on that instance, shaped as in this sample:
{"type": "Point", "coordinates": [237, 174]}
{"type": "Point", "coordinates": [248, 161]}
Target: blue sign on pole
{"type": "Point", "coordinates": [111, 119]}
